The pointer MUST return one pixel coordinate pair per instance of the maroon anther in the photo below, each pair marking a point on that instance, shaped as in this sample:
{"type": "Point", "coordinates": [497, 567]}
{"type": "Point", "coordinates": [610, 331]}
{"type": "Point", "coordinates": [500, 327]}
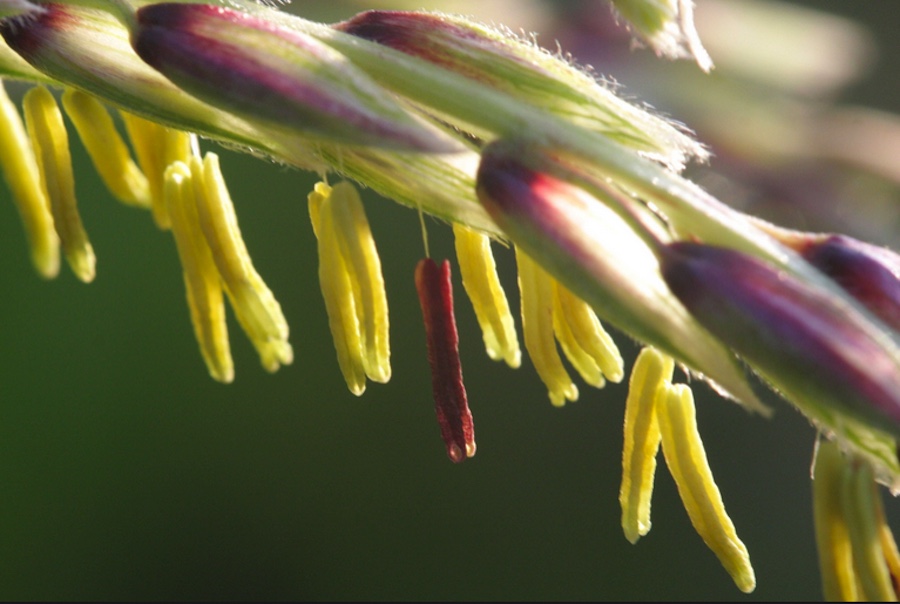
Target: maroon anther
{"type": "Point", "coordinates": [450, 401]}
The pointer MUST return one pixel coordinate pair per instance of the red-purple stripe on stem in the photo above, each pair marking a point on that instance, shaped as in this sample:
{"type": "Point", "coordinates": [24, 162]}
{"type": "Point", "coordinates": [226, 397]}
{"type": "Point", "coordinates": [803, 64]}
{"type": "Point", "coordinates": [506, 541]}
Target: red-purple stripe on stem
{"type": "Point", "coordinates": [450, 402]}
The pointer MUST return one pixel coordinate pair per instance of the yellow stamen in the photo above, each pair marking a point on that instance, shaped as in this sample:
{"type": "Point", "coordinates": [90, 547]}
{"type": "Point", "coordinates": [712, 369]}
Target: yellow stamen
{"type": "Point", "coordinates": [201, 277]}
{"type": "Point", "coordinates": [652, 370]}
{"type": "Point", "coordinates": [254, 304]}
{"type": "Point", "coordinates": [688, 465]}
{"type": "Point", "coordinates": [536, 292]}
{"type": "Point", "coordinates": [858, 494]}
{"type": "Point", "coordinates": [364, 268]}
{"type": "Point", "coordinates": [589, 335]}
{"type": "Point", "coordinates": [337, 291]}
{"type": "Point", "coordinates": [47, 131]}
{"type": "Point", "coordinates": [22, 175]}
{"type": "Point", "coordinates": [479, 277]}
{"type": "Point", "coordinates": [106, 148]}
{"type": "Point", "coordinates": [839, 582]}
{"type": "Point", "coordinates": [157, 147]}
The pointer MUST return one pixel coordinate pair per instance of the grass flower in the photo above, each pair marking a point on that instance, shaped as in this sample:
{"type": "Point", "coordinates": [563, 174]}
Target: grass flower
{"type": "Point", "coordinates": [509, 144]}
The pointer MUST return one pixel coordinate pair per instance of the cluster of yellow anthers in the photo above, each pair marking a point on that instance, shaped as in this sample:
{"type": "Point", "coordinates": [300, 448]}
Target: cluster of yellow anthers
{"type": "Point", "coordinates": [353, 288]}
{"type": "Point", "coordinates": [185, 193]}
{"type": "Point", "coordinates": [857, 552]}
{"type": "Point", "coordinates": [659, 412]}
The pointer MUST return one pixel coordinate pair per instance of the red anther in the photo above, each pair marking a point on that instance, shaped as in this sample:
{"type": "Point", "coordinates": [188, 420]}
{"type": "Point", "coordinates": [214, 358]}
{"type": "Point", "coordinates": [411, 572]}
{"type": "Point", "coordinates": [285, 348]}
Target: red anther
{"type": "Point", "coordinates": [450, 401]}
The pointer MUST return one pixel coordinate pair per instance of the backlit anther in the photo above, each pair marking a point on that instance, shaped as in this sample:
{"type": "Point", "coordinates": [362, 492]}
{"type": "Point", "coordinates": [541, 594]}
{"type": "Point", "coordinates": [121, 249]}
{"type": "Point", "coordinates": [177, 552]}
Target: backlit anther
{"type": "Point", "coordinates": [652, 370]}
{"type": "Point", "coordinates": [255, 306]}
{"type": "Point", "coordinates": [688, 465]}
{"type": "Point", "coordinates": [364, 268]}
{"type": "Point", "coordinates": [106, 148]}
{"type": "Point", "coordinates": [480, 280]}
{"type": "Point", "coordinates": [357, 312]}
{"type": "Point", "coordinates": [22, 175]}
{"type": "Point", "coordinates": [839, 582]}
{"type": "Point", "coordinates": [201, 278]}
{"type": "Point", "coordinates": [450, 401]}
{"type": "Point", "coordinates": [587, 345]}
{"type": "Point", "coordinates": [858, 496]}
{"type": "Point", "coordinates": [536, 291]}
{"type": "Point", "coordinates": [156, 147]}
{"type": "Point", "coordinates": [47, 131]}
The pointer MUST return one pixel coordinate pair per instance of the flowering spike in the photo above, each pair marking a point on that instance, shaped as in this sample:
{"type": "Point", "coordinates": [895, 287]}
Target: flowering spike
{"type": "Point", "coordinates": [106, 148]}
{"type": "Point", "coordinates": [536, 291]}
{"type": "Point", "coordinates": [599, 257]}
{"type": "Point", "coordinates": [522, 70]}
{"type": "Point", "coordinates": [260, 70]}
{"type": "Point", "coordinates": [824, 355]}
{"type": "Point", "coordinates": [47, 131]}
{"type": "Point", "coordinates": [364, 267]}
{"type": "Point", "coordinates": [337, 291]}
{"type": "Point", "coordinates": [22, 175]}
{"type": "Point", "coordinates": [651, 371]}
{"type": "Point", "coordinates": [255, 306]}
{"type": "Point", "coordinates": [450, 402]}
{"type": "Point", "coordinates": [688, 465]}
{"type": "Point", "coordinates": [201, 278]}
{"type": "Point", "coordinates": [479, 277]}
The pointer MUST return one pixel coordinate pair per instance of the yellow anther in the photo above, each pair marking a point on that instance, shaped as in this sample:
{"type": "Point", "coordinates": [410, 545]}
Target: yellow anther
{"type": "Point", "coordinates": [536, 292]}
{"type": "Point", "coordinates": [588, 333]}
{"type": "Point", "coordinates": [858, 495]}
{"type": "Point", "coordinates": [201, 278]}
{"type": "Point", "coordinates": [688, 465]}
{"type": "Point", "coordinates": [255, 306]}
{"type": "Point", "coordinates": [337, 291]}
{"type": "Point", "coordinates": [839, 582]}
{"type": "Point", "coordinates": [106, 148]}
{"type": "Point", "coordinates": [156, 147]}
{"type": "Point", "coordinates": [47, 131]}
{"type": "Point", "coordinates": [22, 175]}
{"type": "Point", "coordinates": [479, 277]}
{"type": "Point", "coordinates": [652, 371]}
{"type": "Point", "coordinates": [364, 269]}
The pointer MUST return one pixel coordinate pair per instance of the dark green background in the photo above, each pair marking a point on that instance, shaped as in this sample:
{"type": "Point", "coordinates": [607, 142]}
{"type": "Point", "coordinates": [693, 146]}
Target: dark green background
{"type": "Point", "coordinates": [126, 473]}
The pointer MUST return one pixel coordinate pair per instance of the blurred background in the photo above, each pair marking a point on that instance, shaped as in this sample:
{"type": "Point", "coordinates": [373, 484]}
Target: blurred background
{"type": "Point", "coordinates": [126, 473]}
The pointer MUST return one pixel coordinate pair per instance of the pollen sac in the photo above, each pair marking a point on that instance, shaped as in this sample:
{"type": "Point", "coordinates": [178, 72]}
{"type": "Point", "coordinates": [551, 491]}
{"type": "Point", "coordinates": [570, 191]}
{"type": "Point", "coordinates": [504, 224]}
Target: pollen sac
{"type": "Point", "coordinates": [690, 469]}
{"type": "Point", "coordinates": [518, 68]}
{"type": "Point", "coordinates": [254, 305]}
{"type": "Point", "coordinates": [651, 372]}
{"type": "Point", "coordinates": [450, 402]}
{"type": "Point", "coordinates": [352, 284]}
{"type": "Point", "coordinates": [825, 356]}
{"type": "Point", "coordinates": [869, 273]}
{"type": "Point", "coordinates": [22, 175]}
{"type": "Point", "coordinates": [858, 556]}
{"type": "Point", "coordinates": [280, 76]}
{"type": "Point", "coordinates": [157, 147]}
{"type": "Point", "coordinates": [202, 282]}
{"type": "Point", "coordinates": [480, 280]}
{"type": "Point", "coordinates": [536, 291]}
{"type": "Point", "coordinates": [50, 141]}
{"type": "Point", "coordinates": [106, 148]}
